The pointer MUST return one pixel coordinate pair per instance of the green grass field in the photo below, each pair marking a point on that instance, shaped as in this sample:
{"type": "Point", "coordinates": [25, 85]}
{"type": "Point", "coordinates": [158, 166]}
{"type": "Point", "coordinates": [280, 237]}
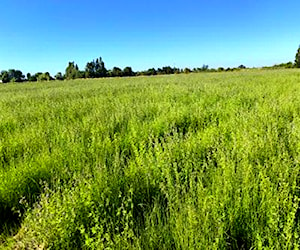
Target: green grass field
{"type": "Point", "coordinates": [197, 161]}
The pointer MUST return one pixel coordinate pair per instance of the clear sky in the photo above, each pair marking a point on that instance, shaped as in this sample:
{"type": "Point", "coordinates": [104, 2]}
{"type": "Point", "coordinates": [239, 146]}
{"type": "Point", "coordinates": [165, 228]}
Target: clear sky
{"type": "Point", "coordinates": [44, 35]}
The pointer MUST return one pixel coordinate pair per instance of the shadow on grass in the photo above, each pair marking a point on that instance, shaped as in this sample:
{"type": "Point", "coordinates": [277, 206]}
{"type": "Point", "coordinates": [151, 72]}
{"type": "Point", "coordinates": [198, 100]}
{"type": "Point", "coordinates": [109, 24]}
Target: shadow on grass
{"type": "Point", "coordinates": [18, 197]}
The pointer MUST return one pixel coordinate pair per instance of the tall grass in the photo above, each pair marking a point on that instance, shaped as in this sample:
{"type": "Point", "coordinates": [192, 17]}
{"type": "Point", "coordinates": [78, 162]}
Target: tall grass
{"type": "Point", "coordinates": [198, 161]}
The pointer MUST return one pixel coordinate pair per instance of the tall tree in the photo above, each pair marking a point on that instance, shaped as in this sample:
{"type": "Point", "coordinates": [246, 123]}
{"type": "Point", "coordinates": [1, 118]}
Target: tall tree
{"type": "Point", "coordinates": [72, 71]}
{"type": "Point", "coordinates": [90, 70]}
{"type": "Point", "coordinates": [100, 68]}
{"type": "Point", "coordinates": [297, 59]}
{"type": "Point", "coordinates": [95, 69]}
{"type": "Point", "coordinates": [28, 76]}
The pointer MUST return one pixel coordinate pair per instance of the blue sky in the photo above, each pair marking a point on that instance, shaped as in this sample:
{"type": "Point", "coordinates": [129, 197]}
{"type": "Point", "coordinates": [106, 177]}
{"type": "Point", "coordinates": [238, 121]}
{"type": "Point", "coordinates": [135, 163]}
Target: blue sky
{"type": "Point", "coordinates": [44, 35]}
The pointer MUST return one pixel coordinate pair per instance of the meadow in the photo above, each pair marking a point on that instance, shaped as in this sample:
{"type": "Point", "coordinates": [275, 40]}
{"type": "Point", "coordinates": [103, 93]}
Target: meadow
{"type": "Point", "coordinates": [189, 161]}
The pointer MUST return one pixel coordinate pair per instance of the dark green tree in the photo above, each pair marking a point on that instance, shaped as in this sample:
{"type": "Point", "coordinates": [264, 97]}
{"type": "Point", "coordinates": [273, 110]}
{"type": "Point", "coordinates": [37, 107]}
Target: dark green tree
{"type": "Point", "coordinates": [28, 75]}
{"type": "Point", "coordinates": [148, 72]}
{"type": "Point", "coordinates": [289, 65]}
{"type": "Point", "coordinates": [100, 68]}
{"type": "Point", "coordinates": [176, 70]}
{"type": "Point", "coordinates": [15, 75]}
{"type": "Point", "coordinates": [297, 59]}
{"type": "Point", "coordinates": [59, 76]}
{"type": "Point", "coordinates": [204, 67]}
{"type": "Point", "coordinates": [95, 69]}
{"type": "Point", "coordinates": [128, 72]}
{"type": "Point", "coordinates": [187, 71]}
{"type": "Point", "coordinates": [31, 78]}
{"type": "Point", "coordinates": [38, 75]}
{"type": "Point", "coordinates": [90, 71]}
{"type": "Point", "coordinates": [116, 72]}
{"type": "Point", "coordinates": [12, 75]}
{"type": "Point", "coordinates": [72, 71]}
{"type": "Point", "coordinates": [152, 71]}
{"type": "Point", "coordinates": [5, 76]}
{"type": "Point", "coordinates": [44, 77]}
{"type": "Point", "coordinates": [166, 70]}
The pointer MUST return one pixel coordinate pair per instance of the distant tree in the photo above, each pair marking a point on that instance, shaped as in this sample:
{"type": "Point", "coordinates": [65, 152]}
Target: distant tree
{"type": "Point", "coordinates": [220, 69]}
{"type": "Point", "coordinates": [15, 75]}
{"type": "Point", "coordinates": [187, 70]}
{"type": "Point", "coordinates": [116, 72]}
{"type": "Point", "coordinates": [167, 70]}
{"type": "Point", "coordinates": [19, 76]}
{"type": "Point", "coordinates": [151, 71]}
{"type": "Point", "coordinates": [289, 65]}
{"type": "Point", "coordinates": [204, 67]}
{"type": "Point", "coordinates": [242, 66]}
{"type": "Point", "coordinates": [59, 76]}
{"type": "Point", "coordinates": [101, 71]}
{"type": "Point", "coordinates": [38, 75]}
{"type": "Point", "coordinates": [80, 74]}
{"type": "Point", "coordinates": [90, 70]}
{"type": "Point", "coordinates": [28, 75]}
{"type": "Point", "coordinates": [12, 75]}
{"type": "Point", "coordinates": [109, 73]}
{"type": "Point", "coordinates": [5, 76]}
{"type": "Point", "coordinates": [72, 71]}
{"type": "Point", "coordinates": [127, 71]}
{"type": "Point", "coordinates": [48, 76]}
{"type": "Point", "coordinates": [44, 77]}
{"type": "Point", "coordinates": [176, 70]}
{"type": "Point", "coordinates": [95, 68]}
{"type": "Point", "coordinates": [31, 78]}
{"type": "Point", "coordinates": [297, 59]}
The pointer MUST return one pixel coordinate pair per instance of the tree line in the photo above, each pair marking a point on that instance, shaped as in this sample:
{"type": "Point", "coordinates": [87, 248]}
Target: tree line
{"type": "Point", "coordinates": [96, 69]}
{"type": "Point", "coordinates": [93, 69]}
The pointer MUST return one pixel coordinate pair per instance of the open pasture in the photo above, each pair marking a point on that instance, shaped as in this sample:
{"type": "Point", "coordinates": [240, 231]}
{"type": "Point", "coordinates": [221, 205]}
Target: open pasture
{"type": "Point", "coordinates": [189, 161]}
